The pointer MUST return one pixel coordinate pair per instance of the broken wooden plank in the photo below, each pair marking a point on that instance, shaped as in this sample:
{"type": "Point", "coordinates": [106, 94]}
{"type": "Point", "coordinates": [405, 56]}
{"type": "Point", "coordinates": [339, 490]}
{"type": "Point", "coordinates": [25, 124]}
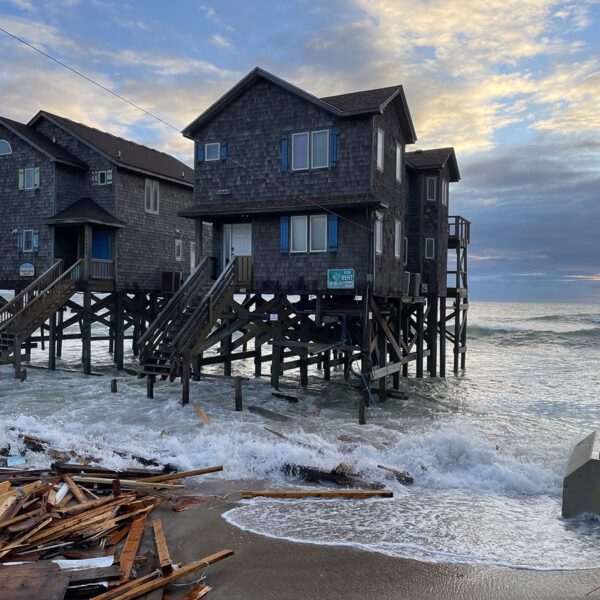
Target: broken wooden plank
{"type": "Point", "coordinates": [202, 414]}
{"type": "Point", "coordinates": [77, 493]}
{"type": "Point", "coordinates": [131, 547]}
{"type": "Point", "coordinates": [127, 483]}
{"type": "Point", "coordinates": [268, 414]}
{"type": "Point", "coordinates": [135, 590]}
{"type": "Point", "coordinates": [289, 398]}
{"type": "Point", "coordinates": [401, 476]}
{"type": "Point", "coordinates": [183, 474]}
{"type": "Point", "coordinates": [339, 477]}
{"type": "Point", "coordinates": [197, 592]}
{"type": "Point", "coordinates": [42, 580]}
{"type": "Point", "coordinates": [93, 574]}
{"type": "Point", "coordinates": [162, 550]}
{"type": "Point", "coordinates": [99, 471]}
{"type": "Point", "coordinates": [350, 494]}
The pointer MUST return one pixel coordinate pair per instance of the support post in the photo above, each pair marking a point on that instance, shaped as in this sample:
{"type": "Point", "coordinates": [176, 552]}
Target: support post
{"type": "Point", "coordinates": [382, 345]}
{"type": "Point", "coordinates": [443, 337]}
{"type": "Point", "coordinates": [185, 384]}
{"type": "Point", "coordinates": [406, 335]}
{"type": "Point", "coordinates": [197, 367]}
{"type": "Point", "coordinates": [277, 351]}
{"type": "Point", "coordinates": [226, 353]}
{"type": "Point", "coordinates": [86, 333]}
{"type": "Point", "coordinates": [119, 330]}
{"type": "Point", "coordinates": [432, 320]}
{"type": "Point", "coordinates": [257, 358]}
{"type": "Point", "coordinates": [17, 357]}
{"type": "Point", "coordinates": [365, 362]}
{"type": "Point", "coordinates": [150, 379]}
{"type": "Point", "coordinates": [59, 333]}
{"type": "Point", "coordinates": [420, 327]}
{"type": "Point", "coordinates": [463, 341]}
{"type": "Point", "coordinates": [113, 386]}
{"type": "Point", "coordinates": [304, 351]}
{"type": "Point", "coordinates": [456, 333]}
{"type": "Point", "coordinates": [397, 335]}
{"type": "Point", "coordinates": [327, 365]}
{"type": "Point", "coordinates": [238, 393]}
{"type": "Point", "coordinates": [52, 342]}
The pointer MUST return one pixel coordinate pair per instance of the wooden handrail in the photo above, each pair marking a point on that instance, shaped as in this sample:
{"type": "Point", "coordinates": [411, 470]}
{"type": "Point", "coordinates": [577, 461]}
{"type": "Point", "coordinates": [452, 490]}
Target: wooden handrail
{"type": "Point", "coordinates": [7, 312]}
{"type": "Point", "coordinates": [158, 328]}
{"type": "Point", "coordinates": [185, 339]}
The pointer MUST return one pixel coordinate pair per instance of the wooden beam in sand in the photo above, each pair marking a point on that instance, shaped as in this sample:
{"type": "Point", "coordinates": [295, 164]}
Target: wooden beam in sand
{"type": "Point", "coordinates": [162, 550]}
{"type": "Point", "coordinates": [183, 474]}
{"type": "Point", "coordinates": [349, 494]}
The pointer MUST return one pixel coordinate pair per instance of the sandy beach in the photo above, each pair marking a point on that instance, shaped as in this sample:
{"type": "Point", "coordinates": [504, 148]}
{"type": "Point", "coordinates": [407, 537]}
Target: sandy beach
{"type": "Point", "coordinates": [264, 568]}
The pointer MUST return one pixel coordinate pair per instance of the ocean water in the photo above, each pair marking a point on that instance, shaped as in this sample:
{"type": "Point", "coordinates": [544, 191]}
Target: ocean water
{"type": "Point", "coordinates": [487, 449]}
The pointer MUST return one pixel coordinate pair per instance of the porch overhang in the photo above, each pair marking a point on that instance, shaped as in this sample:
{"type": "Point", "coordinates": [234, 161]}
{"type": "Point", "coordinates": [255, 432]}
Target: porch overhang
{"type": "Point", "coordinates": [85, 211]}
{"type": "Point", "coordinates": [214, 212]}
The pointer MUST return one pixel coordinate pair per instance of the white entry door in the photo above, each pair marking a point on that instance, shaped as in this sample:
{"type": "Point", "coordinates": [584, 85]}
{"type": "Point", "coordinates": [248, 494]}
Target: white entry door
{"type": "Point", "coordinates": [237, 241]}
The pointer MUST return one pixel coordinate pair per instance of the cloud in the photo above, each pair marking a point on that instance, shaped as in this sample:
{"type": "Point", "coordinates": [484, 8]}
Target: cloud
{"type": "Point", "coordinates": [220, 41]}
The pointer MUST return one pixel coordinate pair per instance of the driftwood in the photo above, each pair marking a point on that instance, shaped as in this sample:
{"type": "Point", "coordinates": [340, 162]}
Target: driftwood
{"type": "Point", "coordinates": [403, 477]}
{"type": "Point", "coordinates": [350, 494]}
{"type": "Point", "coordinates": [337, 476]}
{"type": "Point", "coordinates": [290, 399]}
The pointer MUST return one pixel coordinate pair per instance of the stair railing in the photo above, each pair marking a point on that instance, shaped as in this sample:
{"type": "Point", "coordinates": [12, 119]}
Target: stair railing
{"type": "Point", "coordinates": [202, 317]}
{"type": "Point", "coordinates": [35, 312]}
{"type": "Point", "coordinates": [25, 296]}
{"type": "Point", "coordinates": [157, 330]}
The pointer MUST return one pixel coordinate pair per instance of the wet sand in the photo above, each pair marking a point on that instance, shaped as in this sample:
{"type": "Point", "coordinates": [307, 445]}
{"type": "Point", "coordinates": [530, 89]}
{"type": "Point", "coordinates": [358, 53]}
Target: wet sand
{"type": "Point", "coordinates": [269, 569]}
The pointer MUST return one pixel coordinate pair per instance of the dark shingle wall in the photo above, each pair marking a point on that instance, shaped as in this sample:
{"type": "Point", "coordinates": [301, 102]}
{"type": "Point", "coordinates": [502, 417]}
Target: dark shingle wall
{"type": "Point", "coordinates": [24, 209]}
{"type": "Point", "coordinates": [146, 247]}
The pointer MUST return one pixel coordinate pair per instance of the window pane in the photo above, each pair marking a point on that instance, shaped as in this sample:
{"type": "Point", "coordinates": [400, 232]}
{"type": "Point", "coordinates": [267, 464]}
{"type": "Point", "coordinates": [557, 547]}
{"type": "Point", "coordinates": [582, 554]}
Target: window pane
{"type": "Point", "coordinates": [429, 248]}
{"type": "Point", "coordinates": [397, 238]}
{"type": "Point", "coordinates": [398, 162]}
{"type": "Point", "coordinates": [320, 149]}
{"type": "Point", "coordinates": [379, 235]}
{"type": "Point", "coordinates": [148, 195]}
{"type": "Point", "coordinates": [29, 179]}
{"type": "Point", "coordinates": [5, 148]}
{"type": "Point", "coordinates": [380, 149]}
{"type": "Point", "coordinates": [300, 151]}
{"type": "Point", "coordinates": [102, 177]}
{"type": "Point", "coordinates": [212, 151]}
{"type": "Point", "coordinates": [431, 184]}
{"type": "Point", "coordinates": [155, 190]}
{"type": "Point", "coordinates": [318, 233]}
{"type": "Point", "coordinates": [299, 233]}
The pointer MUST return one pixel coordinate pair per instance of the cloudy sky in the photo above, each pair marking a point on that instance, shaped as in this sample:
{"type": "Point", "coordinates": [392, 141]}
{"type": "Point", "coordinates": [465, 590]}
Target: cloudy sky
{"type": "Point", "coordinates": [514, 85]}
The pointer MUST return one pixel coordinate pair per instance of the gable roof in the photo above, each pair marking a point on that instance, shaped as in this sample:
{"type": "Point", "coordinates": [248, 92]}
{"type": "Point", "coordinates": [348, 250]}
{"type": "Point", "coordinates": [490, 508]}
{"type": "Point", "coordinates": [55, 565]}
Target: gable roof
{"type": "Point", "coordinates": [124, 153]}
{"type": "Point", "coordinates": [434, 159]}
{"type": "Point", "coordinates": [84, 210]}
{"type": "Point", "coordinates": [42, 143]}
{"type": "Point", "coordinates": [344, 105]}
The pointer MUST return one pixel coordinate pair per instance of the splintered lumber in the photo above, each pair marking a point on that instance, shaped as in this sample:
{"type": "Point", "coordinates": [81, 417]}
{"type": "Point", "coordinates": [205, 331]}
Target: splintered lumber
{"type": "Point", "coordinates": [183, 474]}
{"type": "Point", "coordinates": [403, 477]}
{"type": "Point", "coordinates": [277, 433]}
{"type": "Point", "coordinates": [133, 590]}
{"type": "Point", "coordinates": [130, 549]}
{"type": "Point", "coordinates": [268, 414]}
{"type": "Point", "coordinates": [162, 550]}
{"type": "Point", "coordinates": [127, 483]}
{"type": "Point", "coordinates": [202, 414]}
{"type": "Point", "coordinates": [350, 494]}
{"type": "Point", "coordinates": [19, 541]}
{"type": "Point", "coordinates": [42, 580]}
{"type": "Point", "coordinates": [197, 592]}
{"type": "Point", "coordinates": [77, 493]}
{"type": "Point", "coordinates": [337, 476]}
{"type": "Point", "coordinates": [101, 471]}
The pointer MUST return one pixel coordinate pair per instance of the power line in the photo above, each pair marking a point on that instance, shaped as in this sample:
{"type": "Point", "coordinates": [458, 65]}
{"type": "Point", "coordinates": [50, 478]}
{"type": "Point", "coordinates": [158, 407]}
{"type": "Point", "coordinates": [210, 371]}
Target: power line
{"type": "Point", "coordinates": [152, 115]}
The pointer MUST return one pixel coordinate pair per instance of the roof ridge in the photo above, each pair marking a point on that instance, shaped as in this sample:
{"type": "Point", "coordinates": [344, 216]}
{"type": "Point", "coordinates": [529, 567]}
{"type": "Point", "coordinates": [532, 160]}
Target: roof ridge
{"type": "Point", "coordinates": [385, 87]}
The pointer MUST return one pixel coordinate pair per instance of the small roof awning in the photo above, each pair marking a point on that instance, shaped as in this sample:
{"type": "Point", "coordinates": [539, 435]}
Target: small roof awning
{"type": "Point", "coordinates": [214, 211]}
{"type": "Point", "coordinates": [85, 211]}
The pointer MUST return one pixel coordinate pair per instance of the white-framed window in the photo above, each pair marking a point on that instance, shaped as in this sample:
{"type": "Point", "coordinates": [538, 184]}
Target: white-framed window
{"type": "Point", "coordinates": [28, 240]}
{"type": "Point", "coordinates": [398, 163]}
{"type": "Point", "coordinates": [429, 248]}
{"type": "Point", "coordinates": [30, 178]}
{"type": "Point", "coordinates": [101, 177]}
{"type": "Point", "coordinates": [431, 188]}
{"type": "Point", "coordinates": [405, 261]}
{"type": "Point", "coordinates": [212, 151]}
{"type": "Point", "coordinates": [379, 233]}
{"type": "Point", "coordinates": [300, 151]}
{"type": "Point", "coordinates": [319, 149]}
{"type": "Point", "coordinates": [152, 196]}
{"type": "Point", "coordinates": [380, 149]}
{"type": "Point", "coordinates": [397, 238]}
{"type": "Point", "coordinates": [178, 250]}
{"type": "Point", "coordinates": [299, 234]}
{"type": "Point", "coordinates": [445, 192]}
{"type": "Point", "coordinates": [5, 148]}
{"type": "Point", "coordinates": [318, 233]}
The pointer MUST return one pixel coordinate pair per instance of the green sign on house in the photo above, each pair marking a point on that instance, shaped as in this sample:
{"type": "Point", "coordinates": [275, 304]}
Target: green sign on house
{"type": "Point", "coordinates": [340, 279]}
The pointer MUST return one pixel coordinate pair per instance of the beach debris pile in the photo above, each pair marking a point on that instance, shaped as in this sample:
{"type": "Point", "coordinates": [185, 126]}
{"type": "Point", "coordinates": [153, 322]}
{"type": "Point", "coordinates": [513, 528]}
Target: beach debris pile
{"type": "Point", "coordinates": [74, 531]}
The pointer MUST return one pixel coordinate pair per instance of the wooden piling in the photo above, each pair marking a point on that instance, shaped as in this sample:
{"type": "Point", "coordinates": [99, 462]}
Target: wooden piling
{"type": "Point", "coordinates": [327, 365]}
{"type": "Point", "coordinates": [52, 342]}
{"type": "Point", "coordinates": [304, 322]}
{"type": "Point", "coordinates": [197, 367]}
{"type": "Point", "coordinates": [18, 357]}
{"type": "Point", "coordinates": [113, 386]}
{"type": "Point", "coordinates": [238, 393]}
{"type": "Point", "coordinates": [443, 337]}
{"type": "Point", "coordinates": [119, 330]}
{"type": "Point", "coordinates": [420, 339]}
{"type": "Point", "coordinates": [86, 332]}
{"type": "Point", "coordinates": [150, 379]}
{"type": "Point", "coordinates": [432, 320]}
{"type": "Point", "coordinates": [185, 384]}
{"type": "Point", "coordinates": [226, 352]}
{"type": "Point", "coordinates": [59, 332]}
{"type": "Point", "coordinates": [257, 358]}
{"type": "Point", "coordinates": [23, 374]}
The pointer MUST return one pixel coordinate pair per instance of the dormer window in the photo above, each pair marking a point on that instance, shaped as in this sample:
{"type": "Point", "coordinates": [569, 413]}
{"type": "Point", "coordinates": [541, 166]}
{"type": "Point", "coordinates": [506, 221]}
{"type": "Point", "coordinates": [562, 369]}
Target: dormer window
{"type": "Point", "coordinates": [5, 148]}
{"type": "Point", "coordinates": [212, 151]}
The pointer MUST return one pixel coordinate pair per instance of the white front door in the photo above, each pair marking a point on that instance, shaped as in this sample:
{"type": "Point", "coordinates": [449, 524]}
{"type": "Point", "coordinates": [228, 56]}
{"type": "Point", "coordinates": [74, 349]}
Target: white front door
{"type": "Point", "coordinates": [237, 241]}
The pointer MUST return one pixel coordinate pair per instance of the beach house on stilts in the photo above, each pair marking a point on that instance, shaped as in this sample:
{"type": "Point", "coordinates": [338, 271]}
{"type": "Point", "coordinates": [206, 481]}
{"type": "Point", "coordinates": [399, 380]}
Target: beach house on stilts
{"type": "Point", "coordinates": [335, 236]}
{"type": "Point", "coordinates": [89, 233]}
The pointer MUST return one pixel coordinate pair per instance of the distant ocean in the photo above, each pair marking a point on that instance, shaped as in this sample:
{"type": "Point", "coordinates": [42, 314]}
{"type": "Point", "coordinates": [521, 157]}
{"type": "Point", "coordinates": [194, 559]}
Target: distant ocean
{"type": "Point", "coordinates": [487, 449]}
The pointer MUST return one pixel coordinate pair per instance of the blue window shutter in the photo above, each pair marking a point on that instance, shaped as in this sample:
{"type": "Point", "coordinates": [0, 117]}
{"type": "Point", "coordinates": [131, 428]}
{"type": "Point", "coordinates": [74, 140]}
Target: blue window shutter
{"type": "Point", "coordinates": [223, 150]}
{"type": "Point", "coordinates": [284, 152]}
{"type": "Point", "coordinates": [20, 241]}
{"type": "Point", "coordinates": [284, 234]}
{"type": "Point", "coordinates": [333, 133]}
{"type": "Point", "coordinates": [332, 232]}
{"type": "Point", "coordinates": [21, 179]}
{"type": "Point", "coordinates": [36, 240]}
{"type": "Point", "coordinates": [200, 152]}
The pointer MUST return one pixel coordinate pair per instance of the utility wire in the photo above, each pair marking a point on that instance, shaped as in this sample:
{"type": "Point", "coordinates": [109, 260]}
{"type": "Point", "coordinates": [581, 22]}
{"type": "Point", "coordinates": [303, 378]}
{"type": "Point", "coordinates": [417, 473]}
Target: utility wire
{"type": "Point", "coordinates": [153, 116]}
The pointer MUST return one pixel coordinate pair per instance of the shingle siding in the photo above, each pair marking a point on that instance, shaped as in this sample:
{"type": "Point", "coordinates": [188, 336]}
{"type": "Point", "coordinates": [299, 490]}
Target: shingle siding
{"type": "Point", "coordinates": [24, 209]}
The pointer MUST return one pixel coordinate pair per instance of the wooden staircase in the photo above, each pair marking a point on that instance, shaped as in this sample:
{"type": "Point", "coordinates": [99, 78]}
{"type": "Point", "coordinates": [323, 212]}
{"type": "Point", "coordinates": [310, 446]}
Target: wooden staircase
{"type": "Point", "coordinates": [34, 305]}
{"type": "Point", "coordinates": [170, 341]}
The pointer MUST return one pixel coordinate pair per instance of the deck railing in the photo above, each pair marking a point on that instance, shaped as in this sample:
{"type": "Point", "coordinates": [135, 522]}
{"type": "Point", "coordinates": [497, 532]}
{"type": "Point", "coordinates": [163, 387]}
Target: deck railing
{"type": "Point", "coordinates": [459, 228]}
{"type": "Point", "coordinates": [158, 328]}
{"type": "Point", "coordinates": [103, 269]}
{"type": "Point", "coordinates": [202, 317]}
{"type": "Point", "coordinates": [34, 309]}
{"type": "Point", "coordinates": [243, 271]}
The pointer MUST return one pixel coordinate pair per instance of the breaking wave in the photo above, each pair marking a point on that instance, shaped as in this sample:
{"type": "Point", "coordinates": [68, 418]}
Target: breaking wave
{"type": "Point", "coordinates": [521, 336]}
